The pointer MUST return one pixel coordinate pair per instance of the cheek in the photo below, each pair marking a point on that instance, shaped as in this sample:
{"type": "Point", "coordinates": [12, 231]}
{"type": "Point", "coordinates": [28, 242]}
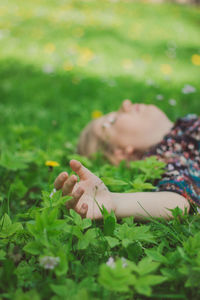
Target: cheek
{"type": "Point", "coordinates": [155, 114]}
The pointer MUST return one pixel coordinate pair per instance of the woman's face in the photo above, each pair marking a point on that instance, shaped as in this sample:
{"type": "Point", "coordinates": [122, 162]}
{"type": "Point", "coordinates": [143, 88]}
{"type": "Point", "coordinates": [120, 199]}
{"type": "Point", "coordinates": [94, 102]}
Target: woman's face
{"type": "Point", "coordinates": [139, 126]}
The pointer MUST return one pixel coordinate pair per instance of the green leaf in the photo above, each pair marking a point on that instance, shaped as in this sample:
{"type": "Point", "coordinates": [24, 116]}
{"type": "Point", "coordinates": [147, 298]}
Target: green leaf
{"type": "Point", "coordinates": [146, 166]}
{"type": "Point", "coordinates": [126, 242]}
{"type": "Point", "coordinates": [34, 248]}
{"type": "Point", "coordinates": [13, 161]}
{"type": "Point", "coordinates": [192, 245]}
{"type": "Point", "coordinates": [32, 294]}
{"type": "Point", "coordinates": [54, 200]}
{"type": "Point", "coordinates": [87, 239]}
{"type": "Point", "coordinates": [7, 228]}
{"type": "Point", "coordinates": [62, 267]}
{"type": "Point", "coordinates": [76, 217]}
{"type": "Point", "coordinates": [137, 233]}
{"type": "Point", "coordinates": [143, 288]}
{"type": "Point", "coordinates": [153, 279]}
{"type": "Point", "coordinates": [112, 242]}
{"type": "Point", "coordinates": [2, 254]}
{"type": "Point", "coordinates": [113, 182]}
{"type": "Point", "coordinates": [19, 188]}
{"type": "Point", "coordinates": [139, 185]}
{"type": "Point", "coordinates": [109, 225]}
{"type": "Point", "coordinates": [146, 266]}
{"type": "Point", "coordinates": [170, 274]}
{"type": "Point", "coordinates": [117, 278]}
{"type": "Point", "coordinates": [143, 284]}
{"type": "Point", "coordinates": [155, 255]}
{"type": "Point", "coordinates": [73, 230]}
{"type": "Point", "coordinates": [128, 220]}
{"type": "Point", "coordinates": [86, 223]}
{"type": "Point", "coordinates": [5, 222]}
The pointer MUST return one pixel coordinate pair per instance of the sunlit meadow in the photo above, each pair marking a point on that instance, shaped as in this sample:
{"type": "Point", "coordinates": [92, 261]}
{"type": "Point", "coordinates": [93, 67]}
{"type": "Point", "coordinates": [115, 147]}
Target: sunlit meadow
{"type": "Point", "coordinates": [63, 63]}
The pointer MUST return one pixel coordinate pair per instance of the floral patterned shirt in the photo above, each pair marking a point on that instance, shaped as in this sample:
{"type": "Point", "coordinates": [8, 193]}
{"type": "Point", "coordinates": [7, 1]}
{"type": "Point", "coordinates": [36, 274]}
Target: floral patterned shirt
{"type": "Point", "coordinates": [180, 149]}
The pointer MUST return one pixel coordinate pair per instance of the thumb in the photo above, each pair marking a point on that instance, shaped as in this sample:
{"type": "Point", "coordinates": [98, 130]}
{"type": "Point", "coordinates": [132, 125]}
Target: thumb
{"type": "Point", "coordinates": [80, 170]}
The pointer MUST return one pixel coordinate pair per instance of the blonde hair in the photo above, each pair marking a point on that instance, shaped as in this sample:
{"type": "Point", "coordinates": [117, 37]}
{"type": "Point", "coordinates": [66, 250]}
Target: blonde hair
{"type": "Point", "coordinates": [90, 143]}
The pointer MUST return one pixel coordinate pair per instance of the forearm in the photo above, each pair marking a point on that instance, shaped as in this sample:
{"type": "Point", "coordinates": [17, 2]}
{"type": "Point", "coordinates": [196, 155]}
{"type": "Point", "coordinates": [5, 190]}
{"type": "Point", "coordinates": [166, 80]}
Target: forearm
{"type": "Point", "coordinates": [141, 205]}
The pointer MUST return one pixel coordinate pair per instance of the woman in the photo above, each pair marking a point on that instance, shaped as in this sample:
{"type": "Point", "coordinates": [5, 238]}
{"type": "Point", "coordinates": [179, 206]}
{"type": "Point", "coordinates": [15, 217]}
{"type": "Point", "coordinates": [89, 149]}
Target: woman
{"type": "Point", "coordinates": [135, 132]}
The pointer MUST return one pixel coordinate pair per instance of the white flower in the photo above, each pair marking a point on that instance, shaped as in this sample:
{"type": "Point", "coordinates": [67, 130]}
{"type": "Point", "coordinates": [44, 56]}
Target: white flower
{"type": "Point", "coordinates": [150, 82]}
{"type": "Point", "coordinates": [49, 262]}
{"type": "Point", "coordinates": [171, 52]}
{"type": "Point", "coordinates": [159, 97]}
{"type": "Point", "coordinates": [48, 69]}
{"type": "Point", "coordinates": [111, 262]}
{"type": "Point", "coordinates": [198, 210]}
{"type": "Point", "coordinates": [172, 102]}
{"type": "Point", "coordinates": [124, 263]}
{"type": "Point", "coordinates": [188, 89]}
{"type": "Point", "coordinates": [53, 192]}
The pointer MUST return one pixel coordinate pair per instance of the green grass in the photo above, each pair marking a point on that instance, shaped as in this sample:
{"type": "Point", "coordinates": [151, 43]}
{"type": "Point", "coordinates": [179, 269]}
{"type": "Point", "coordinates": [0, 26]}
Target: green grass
{"type": "Point", "coordinates": [60, 61]}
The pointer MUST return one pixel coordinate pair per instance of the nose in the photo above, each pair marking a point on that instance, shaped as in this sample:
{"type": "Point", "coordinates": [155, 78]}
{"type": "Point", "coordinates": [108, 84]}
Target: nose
{"type": "Point", "coordinates": [126, 105]}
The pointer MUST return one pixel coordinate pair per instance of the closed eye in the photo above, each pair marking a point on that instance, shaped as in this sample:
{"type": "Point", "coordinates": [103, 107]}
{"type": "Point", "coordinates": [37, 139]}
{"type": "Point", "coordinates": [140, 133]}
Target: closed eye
{"type": "Point", "coordinates": [109, 120]}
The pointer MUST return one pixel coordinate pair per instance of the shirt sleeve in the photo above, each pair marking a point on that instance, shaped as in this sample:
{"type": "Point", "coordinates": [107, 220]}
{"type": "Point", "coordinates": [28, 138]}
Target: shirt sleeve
{"type": "Point", "coordinates": [187, 184]}
{"type": "Point", "coordinates": [180, 150]}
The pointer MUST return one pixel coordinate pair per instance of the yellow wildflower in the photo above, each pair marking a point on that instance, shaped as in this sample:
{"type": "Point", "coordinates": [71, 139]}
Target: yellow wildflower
{"type": "Point", "coordinates": [166, 69]}
{"type": "Point", "coordinates": [49, 48]}
{"type": "Point", "coordinates": [51, 163]}
{"type": "Point", "coordinates": [67, 66]}
{"type": "Point", "coordinates": [147, 58]}
{"type": "Point", "coordinates": [86, 55]}
{"type": "Point", "coordinates": [96, 114]}
{"type": "Point", "coordinates": [196, 59]}
{"type": "Point", "coordinates": [127, 64]}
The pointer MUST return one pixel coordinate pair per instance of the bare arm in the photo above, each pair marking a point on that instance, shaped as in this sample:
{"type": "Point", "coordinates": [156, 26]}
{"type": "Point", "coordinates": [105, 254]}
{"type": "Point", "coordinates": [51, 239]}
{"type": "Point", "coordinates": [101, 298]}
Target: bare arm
{"type": "Point", "coordinates": [141, 205]}
{"type": "Point", "coordinates": [90, 189]}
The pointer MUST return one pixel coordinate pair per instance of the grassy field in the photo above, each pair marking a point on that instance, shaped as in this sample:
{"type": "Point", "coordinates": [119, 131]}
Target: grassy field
{"type": "Point", "coordinates": [60, 61]}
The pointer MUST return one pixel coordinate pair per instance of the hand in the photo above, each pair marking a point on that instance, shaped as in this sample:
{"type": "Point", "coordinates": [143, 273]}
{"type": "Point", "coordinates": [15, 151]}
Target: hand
{"type": "Point", "coordinates": [84, 192]}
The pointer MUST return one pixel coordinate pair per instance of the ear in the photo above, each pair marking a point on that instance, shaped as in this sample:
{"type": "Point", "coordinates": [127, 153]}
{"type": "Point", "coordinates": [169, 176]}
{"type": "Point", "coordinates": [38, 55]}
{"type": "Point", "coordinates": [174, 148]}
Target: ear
{"type": "Point", "coordinates": [129, 150]}
{"type": "Point", "coordinates": [116, 156]}
{"type": "Point", "coordinates": [133, 154]}
{"type": "Point", "coordinates": [128, 154]}
{"type": "Point", "coordinates": [120, 154]}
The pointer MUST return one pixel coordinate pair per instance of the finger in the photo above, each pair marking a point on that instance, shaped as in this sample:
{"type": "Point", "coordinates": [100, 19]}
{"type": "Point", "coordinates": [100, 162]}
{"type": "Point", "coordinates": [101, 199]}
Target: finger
{"type": "Point", "coordinates": [69, 185]}
{"type": "Point", "coordinates": [83, 210]}
{"type": "Point", "coordinates": [80, 170]}
{"type": "Point", "coordinates": [76, 196]}
{"type": "Point", "coordinates": [78, 193]}
{"type": "Point", "coordinates": [58, 183]}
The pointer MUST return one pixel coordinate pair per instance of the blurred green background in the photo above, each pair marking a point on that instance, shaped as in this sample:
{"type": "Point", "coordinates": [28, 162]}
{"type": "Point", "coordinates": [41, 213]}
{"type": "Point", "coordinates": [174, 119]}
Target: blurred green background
{"type": "Point", "coordinates": [62, 60]}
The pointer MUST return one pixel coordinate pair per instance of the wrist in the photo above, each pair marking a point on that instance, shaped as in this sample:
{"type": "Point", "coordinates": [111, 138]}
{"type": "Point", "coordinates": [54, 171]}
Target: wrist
{"type": "Point", "coordinates": [113, 197]}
